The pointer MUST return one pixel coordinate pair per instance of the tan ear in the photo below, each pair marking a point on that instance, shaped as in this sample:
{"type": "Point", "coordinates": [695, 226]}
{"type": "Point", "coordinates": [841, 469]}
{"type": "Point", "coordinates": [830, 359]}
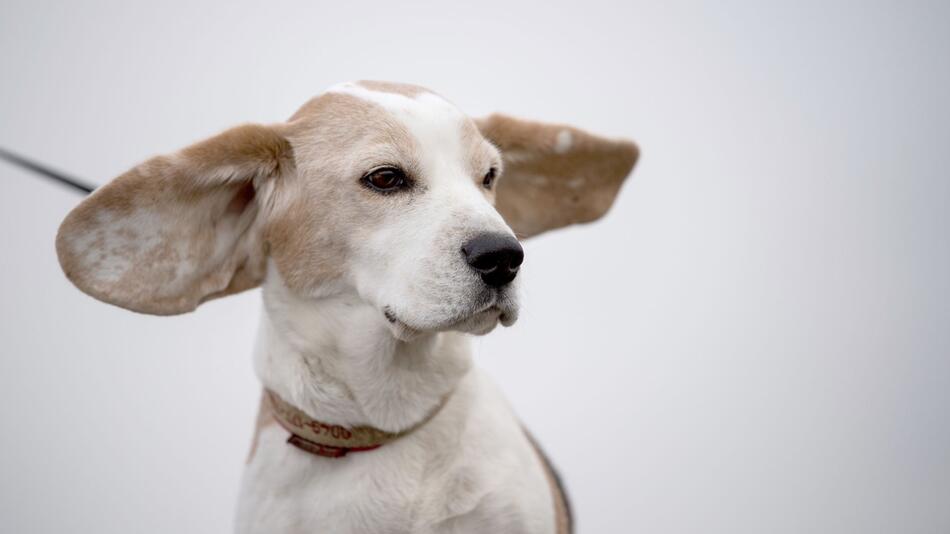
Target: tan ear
{"type": "Point", "coordinates": [555, 175]}
{"type": "Point", "coordinates": [179, 229]}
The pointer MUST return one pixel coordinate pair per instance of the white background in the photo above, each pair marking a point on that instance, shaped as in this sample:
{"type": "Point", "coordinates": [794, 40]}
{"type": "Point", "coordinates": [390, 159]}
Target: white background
{"type": "Point", "coordinates": [755, 339]}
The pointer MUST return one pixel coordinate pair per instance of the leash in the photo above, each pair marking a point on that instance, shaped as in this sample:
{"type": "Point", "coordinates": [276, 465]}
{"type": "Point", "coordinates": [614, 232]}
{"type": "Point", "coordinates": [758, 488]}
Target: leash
{"type": "Point", "coordinates": [46, 171]}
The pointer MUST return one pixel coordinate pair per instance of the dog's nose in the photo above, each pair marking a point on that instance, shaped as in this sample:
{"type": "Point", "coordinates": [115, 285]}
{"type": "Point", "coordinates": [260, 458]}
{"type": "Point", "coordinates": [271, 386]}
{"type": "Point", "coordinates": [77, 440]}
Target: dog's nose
{"type": "Point", "coordinates": [496, 257]}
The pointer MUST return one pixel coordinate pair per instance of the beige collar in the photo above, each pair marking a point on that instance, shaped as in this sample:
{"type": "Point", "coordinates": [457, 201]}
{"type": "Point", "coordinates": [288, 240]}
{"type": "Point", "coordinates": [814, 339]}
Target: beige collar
{"type": "Point", "coordinates": [332, 441]}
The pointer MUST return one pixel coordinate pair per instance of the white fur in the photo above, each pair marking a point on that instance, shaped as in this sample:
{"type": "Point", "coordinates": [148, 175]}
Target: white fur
{"type": "Point", "coordinates": [563, 141]}
{"type": "Point", "coordinates": [335, 356]}
{"type": "Point", "coordinates": [469, 469]}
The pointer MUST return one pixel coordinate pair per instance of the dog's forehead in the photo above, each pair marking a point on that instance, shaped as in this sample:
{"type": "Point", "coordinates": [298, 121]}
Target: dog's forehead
{"type": "Point", "coordinates": [402, 99]}
{"type": "Point", "coordinates": [351, 124]}
{"type": "Point", "coordinates": [429, 117]}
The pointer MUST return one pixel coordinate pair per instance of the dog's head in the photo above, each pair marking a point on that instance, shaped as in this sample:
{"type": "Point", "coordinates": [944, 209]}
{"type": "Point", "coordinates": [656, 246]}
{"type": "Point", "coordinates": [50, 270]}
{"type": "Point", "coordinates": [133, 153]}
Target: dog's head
{"type": "Point", "coordinates": [381, 189]}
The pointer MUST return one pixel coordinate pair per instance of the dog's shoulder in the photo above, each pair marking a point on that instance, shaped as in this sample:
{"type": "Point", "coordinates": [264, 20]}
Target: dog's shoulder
{"type": "Point", "coordinates": [495, 473]}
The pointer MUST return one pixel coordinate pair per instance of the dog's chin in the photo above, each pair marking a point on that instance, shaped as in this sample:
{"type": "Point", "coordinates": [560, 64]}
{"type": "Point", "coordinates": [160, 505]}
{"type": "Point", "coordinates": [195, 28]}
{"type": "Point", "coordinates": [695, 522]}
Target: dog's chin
{"type": "Point", "coordinates": [478, 323]}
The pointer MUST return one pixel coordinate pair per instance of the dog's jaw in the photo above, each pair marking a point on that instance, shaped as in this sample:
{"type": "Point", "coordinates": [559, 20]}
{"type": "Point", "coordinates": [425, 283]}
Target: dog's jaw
{"type": "Point", "coordinates": [342, 361]}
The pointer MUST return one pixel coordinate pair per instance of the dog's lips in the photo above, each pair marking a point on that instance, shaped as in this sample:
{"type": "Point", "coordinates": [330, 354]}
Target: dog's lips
{"type": "Point", "coordinates": [399, 329]}
{"type": "Point", "coordinates": [500, 308]}
{"type": "Point", "coordinates": [508, 318]}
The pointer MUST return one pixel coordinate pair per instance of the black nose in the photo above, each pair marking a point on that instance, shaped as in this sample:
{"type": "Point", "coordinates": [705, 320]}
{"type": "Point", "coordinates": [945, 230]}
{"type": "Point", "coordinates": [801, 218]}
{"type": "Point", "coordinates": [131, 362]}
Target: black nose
{"type": "Point", "coordinates": [496, 257]}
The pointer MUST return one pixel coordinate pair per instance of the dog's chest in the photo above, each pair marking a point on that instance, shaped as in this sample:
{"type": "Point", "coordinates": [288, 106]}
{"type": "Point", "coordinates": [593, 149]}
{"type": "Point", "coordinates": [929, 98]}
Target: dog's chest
{"type": "Point", "coordinates": [285, 490]}
{"type": "Point", "coordinates": [482, 478]}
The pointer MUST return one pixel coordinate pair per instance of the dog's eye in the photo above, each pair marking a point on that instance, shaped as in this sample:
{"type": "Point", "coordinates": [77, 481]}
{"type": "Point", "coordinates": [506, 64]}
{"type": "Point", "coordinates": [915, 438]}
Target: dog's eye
{"type": "Point", "coordinates": [489, 179]}
{"type": "Point", "coordinates": [386, 179]}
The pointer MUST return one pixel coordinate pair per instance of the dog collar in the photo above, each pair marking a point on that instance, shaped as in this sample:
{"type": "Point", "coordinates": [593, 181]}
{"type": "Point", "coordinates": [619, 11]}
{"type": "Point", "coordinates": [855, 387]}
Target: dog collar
{"type": "Point", "coordinates": [331, 441]}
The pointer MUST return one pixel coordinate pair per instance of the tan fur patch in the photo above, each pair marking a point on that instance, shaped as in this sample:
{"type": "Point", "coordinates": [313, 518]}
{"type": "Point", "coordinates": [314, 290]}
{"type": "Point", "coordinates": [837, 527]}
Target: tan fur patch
{"type": "Point", "coordinates": [336, 137]}
{"type": "Point", "coordinates": [563, 521]}
{"type": "Point", "coordinates": [555, 175]}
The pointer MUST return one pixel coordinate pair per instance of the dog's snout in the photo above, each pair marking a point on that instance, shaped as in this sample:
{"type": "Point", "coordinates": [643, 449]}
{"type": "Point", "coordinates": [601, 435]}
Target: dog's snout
{"type": "Point", "coordinates": [496, 257]}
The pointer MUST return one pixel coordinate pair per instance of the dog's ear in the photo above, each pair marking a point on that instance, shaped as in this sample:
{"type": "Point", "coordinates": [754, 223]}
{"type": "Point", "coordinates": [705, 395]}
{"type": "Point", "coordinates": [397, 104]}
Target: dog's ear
{"type": "Point", "coordinates": [555, 175]}
{"type": "Point", "coordinates": [178, 229]}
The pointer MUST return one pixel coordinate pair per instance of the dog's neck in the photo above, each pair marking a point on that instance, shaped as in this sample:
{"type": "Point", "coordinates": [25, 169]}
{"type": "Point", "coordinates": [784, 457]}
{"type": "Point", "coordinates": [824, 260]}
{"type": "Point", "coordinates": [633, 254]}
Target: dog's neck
{"type": "Point", "coordinates": [336, 359]}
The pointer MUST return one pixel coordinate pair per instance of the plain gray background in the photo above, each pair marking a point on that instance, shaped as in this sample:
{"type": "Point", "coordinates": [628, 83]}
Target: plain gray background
{"type": "Point", "coordinates": [755, 339]}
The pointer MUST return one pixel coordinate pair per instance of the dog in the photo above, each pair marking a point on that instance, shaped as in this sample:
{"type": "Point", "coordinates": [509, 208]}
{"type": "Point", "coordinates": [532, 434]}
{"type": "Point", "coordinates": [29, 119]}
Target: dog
{"type": "Point", "coordinates": [383, 227]}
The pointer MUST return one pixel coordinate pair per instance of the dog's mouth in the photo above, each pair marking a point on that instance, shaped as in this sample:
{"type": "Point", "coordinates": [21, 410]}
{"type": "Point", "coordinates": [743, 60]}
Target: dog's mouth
{"type": "Point", "coordinates": [481, 320]}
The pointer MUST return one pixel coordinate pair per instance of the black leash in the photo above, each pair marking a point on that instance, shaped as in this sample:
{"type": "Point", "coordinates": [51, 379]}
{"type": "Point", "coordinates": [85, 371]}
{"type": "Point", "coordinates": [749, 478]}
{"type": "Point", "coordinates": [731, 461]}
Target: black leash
{"type": "Point", "coordinates": [43, 170]}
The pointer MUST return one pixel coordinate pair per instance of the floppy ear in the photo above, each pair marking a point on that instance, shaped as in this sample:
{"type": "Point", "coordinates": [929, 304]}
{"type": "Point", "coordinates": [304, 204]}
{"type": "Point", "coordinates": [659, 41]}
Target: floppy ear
{"type": "Point", "coordinates": [179, 229]}
{"type": "Point", "coordinates": [555, 175]}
